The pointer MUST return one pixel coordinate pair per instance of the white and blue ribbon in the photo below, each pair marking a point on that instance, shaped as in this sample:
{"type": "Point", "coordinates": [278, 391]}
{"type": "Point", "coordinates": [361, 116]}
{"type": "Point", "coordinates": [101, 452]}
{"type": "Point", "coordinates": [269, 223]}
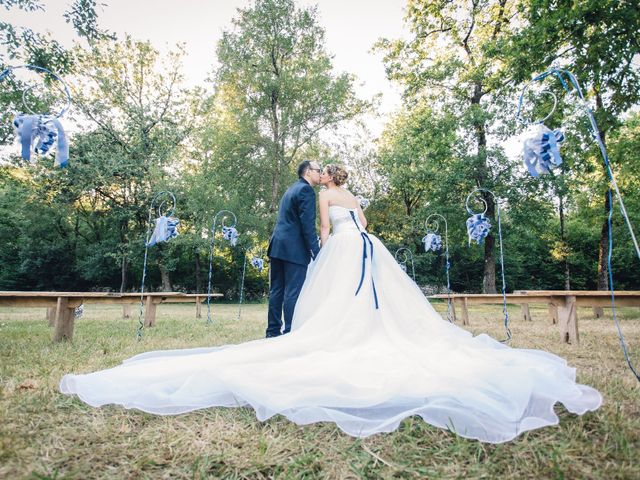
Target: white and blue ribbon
{"type": "Point", "coordinates": [43, 130]}
{"type": "Point", "coordinates": [166, 229]}
{"type": "Point", "coordinates": [231, 235]}
{"type": "Point", "coordinates": [478, 227]}
{"type": "Point", "coordinates": [40, 133]}
{"type": "Point", "coordinates": [542, 149]}
{"type": "Point", "coordinates": [432, 242]}
{"type": "Point", "coordinates": [364, 202]}
{"type": "Point", "coordinates": [258, 263]}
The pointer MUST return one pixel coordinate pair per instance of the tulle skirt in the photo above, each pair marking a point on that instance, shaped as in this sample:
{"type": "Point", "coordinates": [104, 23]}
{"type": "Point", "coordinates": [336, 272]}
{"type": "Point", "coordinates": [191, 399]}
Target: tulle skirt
{"type": "Point", "coordinates": [364, 362]}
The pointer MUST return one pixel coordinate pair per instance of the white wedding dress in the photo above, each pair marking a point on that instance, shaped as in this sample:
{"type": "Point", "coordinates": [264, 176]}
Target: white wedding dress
{"type": "Point", "coordinates": [364, 362]}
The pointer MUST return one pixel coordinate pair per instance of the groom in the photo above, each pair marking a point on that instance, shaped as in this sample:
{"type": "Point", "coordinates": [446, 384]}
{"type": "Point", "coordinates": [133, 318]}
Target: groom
{"type": "Point", "coordinates": [293, 243]}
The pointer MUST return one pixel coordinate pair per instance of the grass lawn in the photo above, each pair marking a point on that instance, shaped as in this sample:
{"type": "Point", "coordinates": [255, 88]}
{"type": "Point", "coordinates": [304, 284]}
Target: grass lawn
{"type": "Point", "coordinates": [44, 434]}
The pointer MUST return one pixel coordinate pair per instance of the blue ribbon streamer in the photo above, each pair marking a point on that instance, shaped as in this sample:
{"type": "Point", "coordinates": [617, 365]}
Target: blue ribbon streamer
{"type": "Point", "coordinates": [365, 240]}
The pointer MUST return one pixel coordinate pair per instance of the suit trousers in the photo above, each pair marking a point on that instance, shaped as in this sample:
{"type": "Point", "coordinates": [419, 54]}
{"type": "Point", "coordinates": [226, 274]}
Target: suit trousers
{"type": "Point", "coordinates": [286, 280]}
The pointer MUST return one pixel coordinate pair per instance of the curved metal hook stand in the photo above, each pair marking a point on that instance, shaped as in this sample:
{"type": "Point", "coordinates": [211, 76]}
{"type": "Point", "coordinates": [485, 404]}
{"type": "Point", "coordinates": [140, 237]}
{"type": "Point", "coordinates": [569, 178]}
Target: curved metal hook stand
{"type": "Point", "coordinates": [486, 207]}
{"type": "Point", "coordinates": [5, 73]}
{"type": "Point", "coordinates": [446, 253]}
{"type": "Point", "coordinates": [225, 214]}
{"type": "Point", "coordinates": [244, 269]}
{"type": "Point", "coordinates": [172, 197]}
{"type": "Point", "coordinates": [563, 76]}
{"type": "Point", "coordinates": [521, 101]}
{"type": "Point", "coordinates": [407, 256]}
{"type": "Point", "coordinates": [146, 249]}
{"type": "Point", "coordinates": [504, 285]}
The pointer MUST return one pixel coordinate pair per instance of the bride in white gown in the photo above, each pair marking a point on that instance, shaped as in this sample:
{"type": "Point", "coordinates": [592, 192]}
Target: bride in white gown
{"type": "Point", "coordinates": [366, 350]}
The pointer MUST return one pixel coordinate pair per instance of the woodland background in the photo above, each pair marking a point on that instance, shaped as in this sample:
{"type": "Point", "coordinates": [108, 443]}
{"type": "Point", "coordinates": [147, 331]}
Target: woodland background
{"type": "Point", "coordinates": [275, 99]}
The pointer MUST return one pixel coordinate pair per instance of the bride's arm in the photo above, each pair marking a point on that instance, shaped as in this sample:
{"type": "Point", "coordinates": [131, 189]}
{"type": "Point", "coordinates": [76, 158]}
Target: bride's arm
{"type": "Point", "coordinates": [325, 225]}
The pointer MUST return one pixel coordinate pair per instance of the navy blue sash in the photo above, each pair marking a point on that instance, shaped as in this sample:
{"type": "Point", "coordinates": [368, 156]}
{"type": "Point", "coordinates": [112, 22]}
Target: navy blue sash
{"type": "Point", "coordinates": [365, 240]}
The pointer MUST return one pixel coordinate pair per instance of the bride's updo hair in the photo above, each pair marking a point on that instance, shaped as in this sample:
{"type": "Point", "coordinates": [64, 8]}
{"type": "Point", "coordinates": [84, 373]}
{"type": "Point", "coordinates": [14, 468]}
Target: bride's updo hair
{"type": "Point", "coordinates": [338, 173]}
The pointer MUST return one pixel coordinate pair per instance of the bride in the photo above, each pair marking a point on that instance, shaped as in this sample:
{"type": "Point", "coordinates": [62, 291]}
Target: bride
{"type": "Point", "coordinates": [366, 351]}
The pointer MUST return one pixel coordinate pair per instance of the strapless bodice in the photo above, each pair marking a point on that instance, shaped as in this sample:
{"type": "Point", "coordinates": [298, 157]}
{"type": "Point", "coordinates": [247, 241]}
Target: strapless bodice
{"type": "Point", "coordinates": [344, 219]}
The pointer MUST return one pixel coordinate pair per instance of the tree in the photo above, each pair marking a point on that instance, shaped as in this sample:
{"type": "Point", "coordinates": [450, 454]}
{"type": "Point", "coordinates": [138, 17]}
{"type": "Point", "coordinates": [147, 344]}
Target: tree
{"type": "Point", "coordinates": [446, 60]}
{"type": "Point", "coordinates": [278, 88]}
{"type": "Point", "coordinates": [597, 40]}
{"type": "Point", "coordinates": [23, 45]}
{"type": "Point", "coordinates": [140, 117]}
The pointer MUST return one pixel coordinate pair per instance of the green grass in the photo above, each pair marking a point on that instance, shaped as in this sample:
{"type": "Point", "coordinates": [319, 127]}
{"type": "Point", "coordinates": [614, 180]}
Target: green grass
{"type": "Point", "coordinates": [44, 434]}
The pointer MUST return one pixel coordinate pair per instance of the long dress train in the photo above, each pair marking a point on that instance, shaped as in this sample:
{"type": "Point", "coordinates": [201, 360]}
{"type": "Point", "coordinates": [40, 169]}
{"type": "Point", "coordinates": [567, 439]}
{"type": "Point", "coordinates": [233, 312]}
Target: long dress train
{"type": "Point", "coordinates": [366, 351]}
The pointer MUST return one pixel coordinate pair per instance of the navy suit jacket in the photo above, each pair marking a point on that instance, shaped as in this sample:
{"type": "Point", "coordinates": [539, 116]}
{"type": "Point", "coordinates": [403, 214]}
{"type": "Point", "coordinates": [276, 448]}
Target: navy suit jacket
{"type": "Point", "coordinates": [295, 238]}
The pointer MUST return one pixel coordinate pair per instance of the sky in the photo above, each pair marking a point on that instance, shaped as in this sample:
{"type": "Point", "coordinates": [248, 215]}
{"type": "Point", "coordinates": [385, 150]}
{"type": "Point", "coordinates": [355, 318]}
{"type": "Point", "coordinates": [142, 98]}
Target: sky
{"type": "Point", "coordinates": [352, 27]}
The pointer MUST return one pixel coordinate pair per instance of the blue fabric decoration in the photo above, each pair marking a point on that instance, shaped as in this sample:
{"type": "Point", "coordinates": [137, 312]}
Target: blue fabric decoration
{"type": "Point", "coordinates": [364, 202]}
{"type": "Point", "coordinates": [258, 263]}
{"type": "Point", "coordinates": [541, 149]}
{"type": "Point", "coordinates": [478, 227]}
{"type": "Point", "coordinates": [565, 77]}
{"type": "Point", "coordinates": [432, 241]}
{"type": "Point", "coordinates": [166, 229]}
{"type": "Point", "coordinates": [230, 234]}
{"type": "Point", "coordinates": [45, 130]}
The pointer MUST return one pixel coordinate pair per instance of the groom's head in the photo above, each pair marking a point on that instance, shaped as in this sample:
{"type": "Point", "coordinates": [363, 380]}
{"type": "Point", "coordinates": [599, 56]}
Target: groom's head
{"type": "Point", "coordinates": [310, 171]}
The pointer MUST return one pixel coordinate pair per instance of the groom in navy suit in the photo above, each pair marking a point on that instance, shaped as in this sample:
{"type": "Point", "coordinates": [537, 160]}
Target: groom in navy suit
{"type": "Point", "coordinates": [292, 246]}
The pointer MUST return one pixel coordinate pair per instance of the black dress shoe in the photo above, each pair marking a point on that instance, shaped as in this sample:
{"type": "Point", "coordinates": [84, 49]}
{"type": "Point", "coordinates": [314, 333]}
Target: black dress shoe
{"type": "Point", "coordinates": [272, 335]}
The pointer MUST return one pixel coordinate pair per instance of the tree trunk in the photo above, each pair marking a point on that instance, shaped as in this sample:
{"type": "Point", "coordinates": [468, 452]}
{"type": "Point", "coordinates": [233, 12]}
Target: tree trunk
{"type": "Point", "coordinates": [198, 274]}
{"type": "Point", "coordinates": [563, 238]}
{"type": "Point", "coordinates": [277, 153]}
{"type": "Point", "coordinates": [164, 274]}
{"type": "Point", "coordinates": [603, 281]}
{"type": "Point", "coordinates": [489, 274]}
{"type": "Point", "coordinates": [166, 279]}
{"type": "Point", "coordinates": [124, 269]}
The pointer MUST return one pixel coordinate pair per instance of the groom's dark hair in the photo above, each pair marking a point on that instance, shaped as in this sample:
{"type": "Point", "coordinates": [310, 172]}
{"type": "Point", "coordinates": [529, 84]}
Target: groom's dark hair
{"type": "Point", "coordinates": [303, 167]}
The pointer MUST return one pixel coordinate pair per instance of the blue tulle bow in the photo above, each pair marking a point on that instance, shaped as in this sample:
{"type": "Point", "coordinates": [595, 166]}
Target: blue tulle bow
{"type": "Point", "coordinates": [541, 149]}
{"type": "Point", "coordinates": [432, 241]}
{"type": "Point", "coordinates": [478, 227]}
{"type": "Point", "coordinates": [258, 263]}
{"type": "Point", "coordinates": [364, 202]}
{"type": "Point", "coordinates": [44, 130]}
{"type": "Point", "coordinates": [166, 229]}
{"type": "Point", "coordinates": [230, 234]}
